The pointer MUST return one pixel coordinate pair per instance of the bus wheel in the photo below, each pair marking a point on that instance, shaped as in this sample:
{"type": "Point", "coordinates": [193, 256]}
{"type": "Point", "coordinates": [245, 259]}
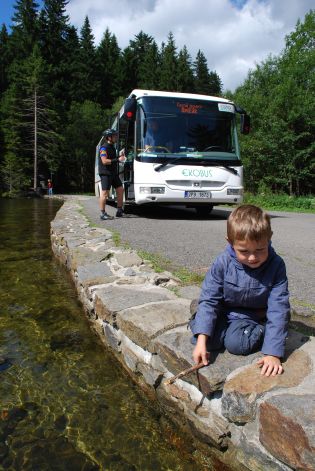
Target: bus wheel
{"type": "Point", "coordinates": [204, 211]}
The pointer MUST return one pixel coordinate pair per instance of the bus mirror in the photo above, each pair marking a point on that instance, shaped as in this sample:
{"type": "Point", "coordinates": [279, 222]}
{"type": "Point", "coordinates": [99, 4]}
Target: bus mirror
{"type": "Point", "coordinates": [245, 123]}
{"type": "Point", "coordinates": [130, 108]}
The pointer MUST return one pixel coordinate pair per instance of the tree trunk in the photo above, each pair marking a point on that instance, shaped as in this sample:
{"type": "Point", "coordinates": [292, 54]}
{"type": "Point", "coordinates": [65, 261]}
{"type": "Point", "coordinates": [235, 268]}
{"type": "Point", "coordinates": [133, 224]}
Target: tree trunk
{"type": "Point", "coordinates": [291, 186]}
{"type": "Point", "coordinates": [35, 139]}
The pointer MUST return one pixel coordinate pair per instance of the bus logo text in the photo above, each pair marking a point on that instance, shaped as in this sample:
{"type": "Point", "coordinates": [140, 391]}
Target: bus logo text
{"type": "Point", "coordinates": [187, 172]}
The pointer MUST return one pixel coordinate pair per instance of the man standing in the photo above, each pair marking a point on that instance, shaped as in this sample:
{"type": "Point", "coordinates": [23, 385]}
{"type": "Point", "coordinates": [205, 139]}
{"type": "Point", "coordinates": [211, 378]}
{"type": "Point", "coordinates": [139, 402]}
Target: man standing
{"type": "Point", "coordinates": [108, 171]}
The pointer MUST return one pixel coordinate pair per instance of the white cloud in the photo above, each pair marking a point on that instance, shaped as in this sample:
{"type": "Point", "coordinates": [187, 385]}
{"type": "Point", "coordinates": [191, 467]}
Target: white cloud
{"type": "Point", "coordinates": [234, 38]}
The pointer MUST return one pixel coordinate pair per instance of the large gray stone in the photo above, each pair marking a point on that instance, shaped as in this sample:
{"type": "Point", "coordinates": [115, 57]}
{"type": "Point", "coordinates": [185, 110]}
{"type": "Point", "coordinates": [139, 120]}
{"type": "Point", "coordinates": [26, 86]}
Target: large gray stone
{"type": "Point", "coordinates": [287, 429]}
{"type": "Point", "coordinates": [74, 242]}
{"type": "Point", "coordinates": [85, 255]}
{"type": "Point", "coordinates": [112, 299]}
{"type": "Point", "coordinates": [245, 386]}
{"type": "Point", "coordinates": [252, 454]}
{"type": "Point", "coordinates": [175, 349]}
{"type": "Point", "coordinates": [112, 337]}
{"type": "Point", "coordinates": [202, 417]}
{"type": "Point", "coordinates": [144, 323]}
{"type": "Point", "coordinates": [189, 292]}
{"type": "Point", "coordinates": [93, 273]}
{"type": "Point", "coordinates": [128, 259]}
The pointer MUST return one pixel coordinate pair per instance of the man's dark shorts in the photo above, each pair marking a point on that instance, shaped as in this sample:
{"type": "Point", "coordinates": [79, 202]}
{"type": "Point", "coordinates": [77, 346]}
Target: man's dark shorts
{"type": "Point", "coordinates": [107, 181]}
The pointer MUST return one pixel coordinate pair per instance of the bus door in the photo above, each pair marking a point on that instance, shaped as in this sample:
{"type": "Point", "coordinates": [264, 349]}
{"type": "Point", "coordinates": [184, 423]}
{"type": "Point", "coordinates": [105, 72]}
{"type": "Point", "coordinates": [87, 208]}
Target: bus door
{"type": "Point", "coordinates": [126, 141]}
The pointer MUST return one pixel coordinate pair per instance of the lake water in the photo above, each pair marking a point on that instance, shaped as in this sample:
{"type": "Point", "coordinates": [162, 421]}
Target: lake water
{"type": "Point", "coordinates": [64, 402]}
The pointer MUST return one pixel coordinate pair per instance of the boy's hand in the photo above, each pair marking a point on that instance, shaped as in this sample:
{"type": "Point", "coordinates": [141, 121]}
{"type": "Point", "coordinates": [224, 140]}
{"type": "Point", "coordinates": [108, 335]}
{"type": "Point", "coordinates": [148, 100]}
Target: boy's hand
{"type": "Point", "coordinates": [270, 365]}
{"type": "Point", "coordinates": [200, 351]}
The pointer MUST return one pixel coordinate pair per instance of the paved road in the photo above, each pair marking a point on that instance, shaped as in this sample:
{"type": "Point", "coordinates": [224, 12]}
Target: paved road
{"type": "Point", "coordinates": [190, 241]}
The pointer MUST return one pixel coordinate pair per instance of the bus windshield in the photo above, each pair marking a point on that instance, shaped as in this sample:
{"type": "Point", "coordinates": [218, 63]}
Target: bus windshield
{"type": "Point", "coordinates": [178, 128]}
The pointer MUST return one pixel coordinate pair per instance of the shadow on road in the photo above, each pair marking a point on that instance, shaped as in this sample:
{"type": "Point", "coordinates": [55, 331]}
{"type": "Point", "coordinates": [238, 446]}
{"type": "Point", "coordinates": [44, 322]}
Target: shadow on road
{"type": "Point", "coordinates": [173, 212]}
{"type": "Point", "coordinates": [177, 212]}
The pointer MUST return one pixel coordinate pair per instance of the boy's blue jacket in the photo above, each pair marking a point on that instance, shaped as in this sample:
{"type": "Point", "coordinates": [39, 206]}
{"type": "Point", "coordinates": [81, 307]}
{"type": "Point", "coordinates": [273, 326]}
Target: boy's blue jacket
{"type": "Point", "coordinates": [233, 289]}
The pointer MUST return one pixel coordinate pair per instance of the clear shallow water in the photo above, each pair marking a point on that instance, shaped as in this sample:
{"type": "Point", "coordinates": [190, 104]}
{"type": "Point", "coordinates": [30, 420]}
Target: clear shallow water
{"type": "Point", "coordinates": [64, 403]}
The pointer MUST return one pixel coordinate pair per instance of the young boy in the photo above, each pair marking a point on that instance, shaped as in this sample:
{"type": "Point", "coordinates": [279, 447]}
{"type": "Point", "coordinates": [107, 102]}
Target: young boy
{"type": "Point", "coordinates": [244, 301]}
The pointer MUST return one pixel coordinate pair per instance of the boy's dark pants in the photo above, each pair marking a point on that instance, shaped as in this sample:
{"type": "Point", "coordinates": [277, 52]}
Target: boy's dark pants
{"type": "Point", "coordinates": [239, 336]}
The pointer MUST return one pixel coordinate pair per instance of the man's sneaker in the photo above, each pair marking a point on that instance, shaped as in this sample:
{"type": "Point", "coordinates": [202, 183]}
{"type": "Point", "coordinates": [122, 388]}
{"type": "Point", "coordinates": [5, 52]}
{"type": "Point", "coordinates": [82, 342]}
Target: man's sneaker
{"type": "Point", "coordinates": [119, 213]}
{"type": "Point", "coordinates": [104, 216]}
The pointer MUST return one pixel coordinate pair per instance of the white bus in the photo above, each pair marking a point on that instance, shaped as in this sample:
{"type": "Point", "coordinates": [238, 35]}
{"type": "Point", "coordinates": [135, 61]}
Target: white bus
{"type": "Point", "coordinates": [181, 149]}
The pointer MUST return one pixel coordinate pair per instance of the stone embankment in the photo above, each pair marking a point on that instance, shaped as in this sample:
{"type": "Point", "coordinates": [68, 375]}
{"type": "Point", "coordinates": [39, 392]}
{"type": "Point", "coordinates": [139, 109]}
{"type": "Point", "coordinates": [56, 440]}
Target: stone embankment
{"type": "Point", "coordinates": [244, 420]}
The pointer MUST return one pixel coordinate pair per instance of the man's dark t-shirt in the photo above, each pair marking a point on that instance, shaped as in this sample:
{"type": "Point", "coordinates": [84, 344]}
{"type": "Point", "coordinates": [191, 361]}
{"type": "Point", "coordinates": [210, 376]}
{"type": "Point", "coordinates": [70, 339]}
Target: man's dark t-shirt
{"type": "Point", "coordinates": [108, 151]}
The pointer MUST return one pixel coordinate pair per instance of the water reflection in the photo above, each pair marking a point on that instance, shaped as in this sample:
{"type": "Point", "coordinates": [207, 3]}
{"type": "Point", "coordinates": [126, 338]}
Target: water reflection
{"type": "Point", "coordinates": [64, 403]}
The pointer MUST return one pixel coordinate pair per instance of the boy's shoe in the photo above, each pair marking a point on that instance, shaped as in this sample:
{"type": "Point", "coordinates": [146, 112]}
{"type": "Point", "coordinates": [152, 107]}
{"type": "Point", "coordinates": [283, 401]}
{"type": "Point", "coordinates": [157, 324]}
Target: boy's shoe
{"type": "Point", "coordinates": [119, 213]}
{"type": "Point", "coordinates": [104, 216]}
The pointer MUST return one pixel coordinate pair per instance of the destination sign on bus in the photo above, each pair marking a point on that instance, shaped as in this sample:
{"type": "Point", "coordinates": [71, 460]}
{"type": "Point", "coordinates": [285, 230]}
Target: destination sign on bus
{"type": "Point", "coordinates": [190, 108]}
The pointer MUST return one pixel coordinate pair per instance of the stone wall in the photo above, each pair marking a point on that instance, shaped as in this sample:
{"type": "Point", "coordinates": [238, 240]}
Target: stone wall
{"type": "Point", "coordinates": [243, 419]}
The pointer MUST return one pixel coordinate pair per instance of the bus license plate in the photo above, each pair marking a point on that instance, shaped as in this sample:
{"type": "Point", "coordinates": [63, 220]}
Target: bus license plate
{"type": "Point", "coordinates": [197, 194]}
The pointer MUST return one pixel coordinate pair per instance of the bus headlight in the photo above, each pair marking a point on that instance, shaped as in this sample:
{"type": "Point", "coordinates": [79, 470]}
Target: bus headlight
{"type": "Point", "coordinates": [234, 191]}
{"type": "Point", "coordinates": [149, 190]}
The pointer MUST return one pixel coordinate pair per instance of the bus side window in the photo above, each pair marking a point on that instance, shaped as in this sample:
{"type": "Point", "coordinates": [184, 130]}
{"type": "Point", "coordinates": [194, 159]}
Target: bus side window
{"type": "Point", "coordinates": [130, 148]}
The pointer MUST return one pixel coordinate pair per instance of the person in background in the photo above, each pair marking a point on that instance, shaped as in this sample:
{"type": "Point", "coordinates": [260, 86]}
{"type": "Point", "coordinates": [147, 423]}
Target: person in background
{"type": "Point", "coordinates": [244, 302]}
{"type": "Point", "coordinates": [151, 137]}
{"type": "Point", "coordinates": [108, 172]}
{"type": "Point", "coordinates": [50, 187]}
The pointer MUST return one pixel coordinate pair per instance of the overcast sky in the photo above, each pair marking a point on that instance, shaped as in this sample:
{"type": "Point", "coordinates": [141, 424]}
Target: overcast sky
{"type": "Point", "coordinates": [234, 35]}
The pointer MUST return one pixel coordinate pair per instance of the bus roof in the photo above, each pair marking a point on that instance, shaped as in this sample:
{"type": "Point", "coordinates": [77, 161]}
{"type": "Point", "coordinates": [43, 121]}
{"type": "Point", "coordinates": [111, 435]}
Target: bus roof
{"type": "Point", "coordinates": [140, 93]}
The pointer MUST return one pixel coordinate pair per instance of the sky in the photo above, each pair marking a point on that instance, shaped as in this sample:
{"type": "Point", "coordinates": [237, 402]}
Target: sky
{"type": "Point", "coordinates": [234, 35]}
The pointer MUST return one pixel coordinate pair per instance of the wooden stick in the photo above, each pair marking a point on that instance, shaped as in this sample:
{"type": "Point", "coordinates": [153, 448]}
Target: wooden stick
{"type": "Point", "coordinates": [186, 372]}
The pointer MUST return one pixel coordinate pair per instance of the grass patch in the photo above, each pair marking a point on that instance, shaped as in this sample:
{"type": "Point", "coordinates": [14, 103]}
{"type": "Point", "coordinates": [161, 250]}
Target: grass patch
{"type": "Point", "coordinates": [159, 264]}
{"type": "Point", "coordinates": [89, 220]}
{"type": "Point", "coordinates": [188, 277]}
{"type": "Point", "coordinates": [116, 238]}
{"type": "Point", "coordinates": [157, 261]}
{"type": "Point", "coordinates": [298, 302]}
{"type": "Point", "coordinates": [274, 202]}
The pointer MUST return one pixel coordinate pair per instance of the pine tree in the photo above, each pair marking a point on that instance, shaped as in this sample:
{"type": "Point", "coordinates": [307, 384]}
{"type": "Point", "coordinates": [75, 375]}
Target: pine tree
{"type": "Point", "coordinates": [201, 74]}
{"type": "Point", "coordinates": [148, 68]}
{"type": "Point", "coordinates": [28, 122]}
{"type": "Point", "coordinates": [15, 168]}
{"type": "Point", "coordinates": [41, 120]}
{"type": "Point", "coordinates": [109, 69]}
{"type": "Point", "coordinates": [141, 50]}
{"type": "Point", "coordinates": [74, 65]}
{"type": "Point", "coordinates": [215, 84]}
{"type": "Point", "coordinates": [5, 59]}
{"type": "Point", "coordinates": [85, 124]}
{"type": "Point", "coordinates": [24, 29]}
{"type": "Point", "coordinates": [88, 85]}
{"type": "Point", "coordinates": [54, 31]}
{"type": "Point", "coordinates": [168, 69]}
{"type": "Point", "coordinates": [185, 77]}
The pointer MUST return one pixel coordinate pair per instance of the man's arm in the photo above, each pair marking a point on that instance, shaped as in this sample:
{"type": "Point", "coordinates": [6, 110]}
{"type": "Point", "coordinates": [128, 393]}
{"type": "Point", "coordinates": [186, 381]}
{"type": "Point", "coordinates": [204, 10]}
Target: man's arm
{"type": "Point", "coordinates": [104, 157]}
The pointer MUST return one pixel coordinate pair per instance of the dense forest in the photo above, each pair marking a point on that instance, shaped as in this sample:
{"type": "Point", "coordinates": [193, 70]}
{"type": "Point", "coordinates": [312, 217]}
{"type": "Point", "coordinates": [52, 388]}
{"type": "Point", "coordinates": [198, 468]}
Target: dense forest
{"type": "Point", "coordinates": [58, 91]}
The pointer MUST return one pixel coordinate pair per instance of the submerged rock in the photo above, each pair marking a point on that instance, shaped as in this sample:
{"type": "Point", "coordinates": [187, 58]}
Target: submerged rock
{"type": "Point", "coordinates": [73, 340]}
{"type": "Point", "coordinates": [4, 364]}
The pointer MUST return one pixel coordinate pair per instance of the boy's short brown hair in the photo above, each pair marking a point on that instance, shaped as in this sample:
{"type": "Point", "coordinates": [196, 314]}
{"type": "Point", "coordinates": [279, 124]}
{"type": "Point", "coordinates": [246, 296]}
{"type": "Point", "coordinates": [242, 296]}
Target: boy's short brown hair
{"type": "Point", "coordinates": [248, 222]}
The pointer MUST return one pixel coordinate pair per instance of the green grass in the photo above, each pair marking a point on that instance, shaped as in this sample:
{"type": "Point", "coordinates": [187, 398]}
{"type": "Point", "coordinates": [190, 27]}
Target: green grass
{"type": "Point", "coordinates": [187, 277]}
{"type": "Point", "coordinates": [274, 202]}
{"type": "Point", "coordinates": [159, 264]}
